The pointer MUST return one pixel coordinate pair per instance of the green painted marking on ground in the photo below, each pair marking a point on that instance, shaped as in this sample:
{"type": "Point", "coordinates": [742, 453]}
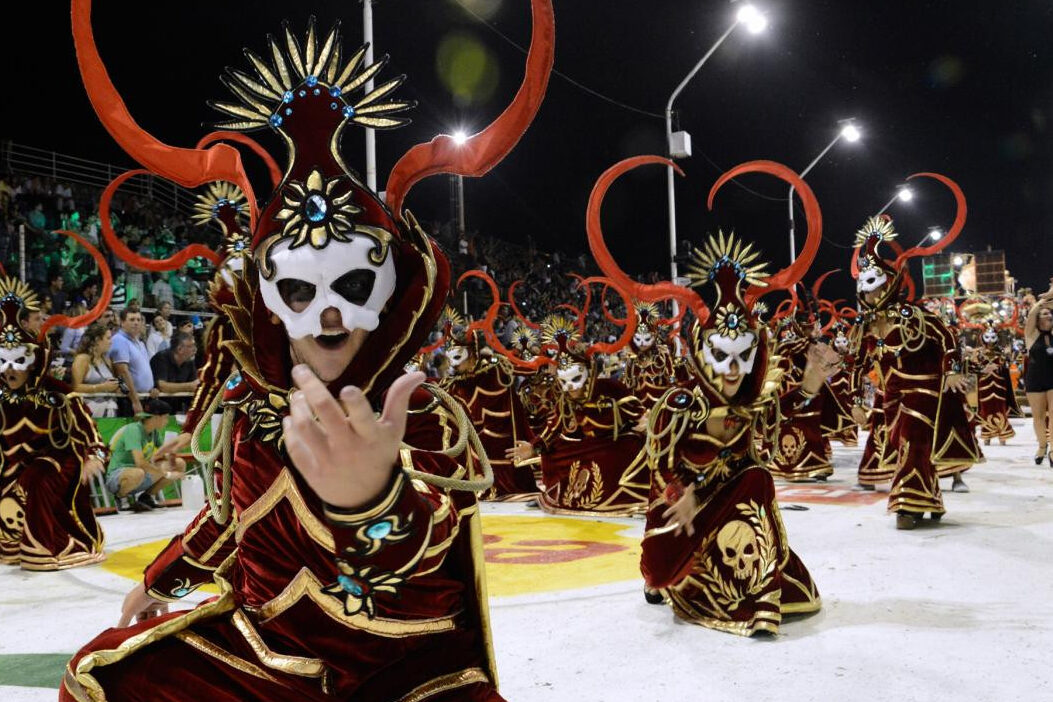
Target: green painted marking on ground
{"type": "Point", "coordinates": [33, 669]}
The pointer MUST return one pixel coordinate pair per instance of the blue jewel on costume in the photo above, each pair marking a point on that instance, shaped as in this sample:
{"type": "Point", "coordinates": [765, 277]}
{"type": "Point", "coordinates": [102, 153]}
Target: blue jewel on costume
{"type": "Point", "coordinates": [311, 81]}
{"type": "Point", "coordinates": [287, 96]}
{"type": "Point", "coordinates": [348, 111]}
{"type": "Point", "coordinates": [275, 121]}
{"type": "Point", "coordinates": [379, 530]}
{"type": "Point", "coordinates": [350, 585]}
{"type": "Point", "coordinates": [234, 382]}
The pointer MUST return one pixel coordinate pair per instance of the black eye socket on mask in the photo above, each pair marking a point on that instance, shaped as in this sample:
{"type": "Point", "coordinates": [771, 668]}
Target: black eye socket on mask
{"type": "Point", "coordinates": [296, 294]}
{"type": "Point", "coordinates": [355, 286]}
{"type": "Point", "coordinates": [20, 360]}
{"type": "Point", "coordinates": [719, 355]}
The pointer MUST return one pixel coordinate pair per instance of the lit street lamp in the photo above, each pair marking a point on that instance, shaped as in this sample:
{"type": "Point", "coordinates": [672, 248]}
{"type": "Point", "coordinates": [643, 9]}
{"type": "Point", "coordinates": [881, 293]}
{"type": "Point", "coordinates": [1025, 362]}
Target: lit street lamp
{"type": "Point", "coordinates": [903, 194]}
{"type": "Point", "coordinates": [679, 143]}
{"type": "Point", "coordinates": [850, 133]}
{"type": "Point", "coordinates": [935, 233]}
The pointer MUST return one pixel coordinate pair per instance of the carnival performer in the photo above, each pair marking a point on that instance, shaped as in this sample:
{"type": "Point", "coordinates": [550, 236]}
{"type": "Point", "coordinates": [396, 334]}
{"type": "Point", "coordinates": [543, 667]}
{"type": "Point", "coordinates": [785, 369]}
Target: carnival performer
{"type": "Point", "coordinates": [715, 546]}
{"type": "Point", "coordinates": [989, 362]}
{"type": "Point", "coordinates": [346, 544]}
{"type": "Point", "coordinates": [841, 387]}
{"type": "Point", "coordinates": [652, 366]}
{"type": "Point", "coordinates": [1038, 376]}
{"type": "Point", "coordinates": [485, 382]}
{"type": "Point", "coordinates": [916, 357]}
{"type": "Point", "coordinates": [51, 447]}
{"type": "Point", "coordinates": [590, 451]}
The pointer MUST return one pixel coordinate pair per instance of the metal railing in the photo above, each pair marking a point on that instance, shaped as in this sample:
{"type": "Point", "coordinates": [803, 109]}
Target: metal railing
{"type": "Point", "coordinates": [29, 160]}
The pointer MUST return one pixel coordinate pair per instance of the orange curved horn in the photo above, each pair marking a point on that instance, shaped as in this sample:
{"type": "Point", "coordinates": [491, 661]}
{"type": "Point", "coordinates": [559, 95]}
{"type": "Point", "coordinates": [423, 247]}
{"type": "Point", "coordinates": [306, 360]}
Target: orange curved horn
{"type": "Point", "coordinates": [515, 306]}
{"type": "Point", "coordinates": [105, 291]}
{"type": "Point", "coordinates": [789, 276]}
{"type": "Point", "coordinates": [268, 160]}
{"type": "Point", "coordinates": [956, 226]}
{"type": "Point", "coordinates": [484, 150]}
{"type": "Point", "coordinates": [908, 279]}
{"type": "Point", "coordinates": [125, 254]}
{"type": "Point", "coordinates": [630, 320]}
{"type": "Point", "coordinates": [665, 290]}
{"type": "Point", "coordinates": [188, 167]}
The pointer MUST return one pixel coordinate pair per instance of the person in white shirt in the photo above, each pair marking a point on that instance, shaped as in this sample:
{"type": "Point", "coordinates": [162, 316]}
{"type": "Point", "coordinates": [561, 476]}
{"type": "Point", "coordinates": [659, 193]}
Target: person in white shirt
{"type": "Point", "coordinates": [160, 335]}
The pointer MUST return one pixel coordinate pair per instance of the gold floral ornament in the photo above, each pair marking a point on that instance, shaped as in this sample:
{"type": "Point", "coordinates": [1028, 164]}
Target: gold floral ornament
{"type": "Point", "coordinates": [265, 416]}
{"type": "Point", "coordinates": [556, 327]}
{"type": "Point", "coordinates": [879, 226]}
{"type": "Point", "coordinates": [314, 213]}
{"type": "Point", "coordinates": [315, 71]}
{"type": "Point", "coordinates": [356, 588]}
{"type": "Point", "coordinates": [722, 251]}
{"type": "Point", "coordinates": [10, 337]}
{"type": "Point", "coordinates": [730, 322]}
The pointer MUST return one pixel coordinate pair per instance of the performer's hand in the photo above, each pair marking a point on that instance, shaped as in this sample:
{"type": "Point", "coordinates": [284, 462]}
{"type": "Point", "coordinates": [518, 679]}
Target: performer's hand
{"type": "Point", "coordinates": [641, 425]}
{"type": "Point", "coordinates": [859, 415]}
{"type": "Point", "coordinates": [682, 512]}
{"type": "Point", "coordinates": [822, 363]}
{"type": "Point", "coordinates": [956, 382]}
{"type": "Point", "coordinates": [344, 452]}
{"type": "Point", "coordinates": [522, 451]}
{"type": "Point", "coordinates": [89, 469]}
{"type": "Point", "coordinates": [140, 606]}
{"type": "Point", "coordinates": [990, 368]}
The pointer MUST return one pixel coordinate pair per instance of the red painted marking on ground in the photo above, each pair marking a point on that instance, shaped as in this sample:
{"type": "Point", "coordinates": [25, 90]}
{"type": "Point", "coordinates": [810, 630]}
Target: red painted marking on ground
{"type": "Point", "coordinates": [540, 551]}
{"type": "Point", "coordinates": [827, 495]}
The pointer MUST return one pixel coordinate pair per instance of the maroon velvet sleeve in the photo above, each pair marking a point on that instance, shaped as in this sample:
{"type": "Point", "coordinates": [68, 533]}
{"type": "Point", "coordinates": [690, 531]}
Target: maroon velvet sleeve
{"type": "Point", "coordinates": [189, 560]}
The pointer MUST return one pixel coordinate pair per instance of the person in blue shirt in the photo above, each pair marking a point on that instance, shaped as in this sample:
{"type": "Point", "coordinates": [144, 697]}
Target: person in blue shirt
{"type": "Point", "coordinates": [131, 360]}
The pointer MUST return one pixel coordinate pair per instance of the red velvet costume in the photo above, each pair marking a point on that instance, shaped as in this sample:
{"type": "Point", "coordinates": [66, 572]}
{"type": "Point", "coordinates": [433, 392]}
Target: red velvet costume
{"type": "Point", "coordinates": [46, 517]}
{"type": "Point", "coordinates": [912, 351]}
{"type": "Point", "coordinates": [736, 573]}
{"type": "Point", "coordinates": [591, 456]}
{"type": "Point", "coordinates": [996, 397]}
{"type": "Point", "coordinates": [652, 367]}
{"type": "Point", "coordinates": [382, 603]}
{"type": "Point", "coordinates": [485, 383]}
{"type": "Point", "coordinates": [800, 449]}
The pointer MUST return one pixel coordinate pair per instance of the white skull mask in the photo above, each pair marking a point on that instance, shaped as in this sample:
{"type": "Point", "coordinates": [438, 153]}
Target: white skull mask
{"type": "Point", "coordinates": [719, 352]}
{"type": "Point", "coordinates": [841, 343]}
{"type": "Point", "coordinates": [341, 276]}
{"type": "Point", "coordinates": [18, 358]}
{"type": "Point", "coordinates": [457, 356]}
{"type": "Point", "coordinates": [572, 377]}
{"type": "Point", "coordinates": [643, 338]}
{"type": "Point", "coordinates": [990, 337]}
{"type": "Point", "coordinates": [870, 279]}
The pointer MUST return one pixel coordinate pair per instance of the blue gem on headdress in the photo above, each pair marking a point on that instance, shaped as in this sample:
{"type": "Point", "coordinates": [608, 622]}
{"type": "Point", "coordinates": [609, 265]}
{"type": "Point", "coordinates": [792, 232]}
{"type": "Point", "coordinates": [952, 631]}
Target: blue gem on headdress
{"type": "Point", "coordinates": [333, 106]}
{"type": "Point", "coordinates": [733, 321]}
{"type": "Point", "coordinates": [335, 91]}
{"type": "Point", "coordinates": [302, 93]}
{"type": "Point", "coordinates": [234, 382]}
{"type": "Point", "coordinates": [311, 81]}
{"type": "Point", "coordinates": [288, 111]}
{"type": "Point", "coordinates": [287, 96]}
{"type": "Point", "coordinates": [348, 111]}
{"type": "Point", "coordinates": [379, 530]}
{"type": "Point", "coordinates": [275, 121]}
{"type": "Point", "coordinates": [316, 208]}
{"type": "Point", "coordinates": [316, 91]}
{"type": "Point", "coordinates": [350, 585]}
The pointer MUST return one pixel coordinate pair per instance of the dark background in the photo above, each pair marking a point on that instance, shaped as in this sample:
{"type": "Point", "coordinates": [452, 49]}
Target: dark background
{"type": "Point", "coordinates": [963, 88]}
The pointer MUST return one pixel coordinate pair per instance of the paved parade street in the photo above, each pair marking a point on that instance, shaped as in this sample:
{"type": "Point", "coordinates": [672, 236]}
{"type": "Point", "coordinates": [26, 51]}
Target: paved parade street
{"type": "Point", "coordinates": [961, 611]}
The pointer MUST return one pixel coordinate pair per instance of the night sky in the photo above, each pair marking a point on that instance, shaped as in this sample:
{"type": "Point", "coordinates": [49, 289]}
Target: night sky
{"type": "Point", "coordinates": [934, 85]}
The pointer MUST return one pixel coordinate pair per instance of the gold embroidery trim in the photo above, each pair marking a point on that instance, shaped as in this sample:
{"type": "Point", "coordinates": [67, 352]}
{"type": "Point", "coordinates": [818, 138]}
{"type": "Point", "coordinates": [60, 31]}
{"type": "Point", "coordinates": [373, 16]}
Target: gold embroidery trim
{"type": "Point", "coordinates": [296, 665]}
{"type": "Point", "coordinates": [210, 649]}
{"type": "Point", "coordinates": [284, 486]}
{"type": "Point", "coordinates": [446, 683]}
{"type": "Point", "coordinates": [385, 505]}
{"type": "Point", "coordinates": [307, 584]}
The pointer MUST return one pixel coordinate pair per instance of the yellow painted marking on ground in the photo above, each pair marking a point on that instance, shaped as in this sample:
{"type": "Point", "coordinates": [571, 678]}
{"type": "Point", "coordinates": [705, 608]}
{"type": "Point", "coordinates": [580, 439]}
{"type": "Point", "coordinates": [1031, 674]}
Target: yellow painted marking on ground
{"type": "Point", "coordinates": [523, 555]}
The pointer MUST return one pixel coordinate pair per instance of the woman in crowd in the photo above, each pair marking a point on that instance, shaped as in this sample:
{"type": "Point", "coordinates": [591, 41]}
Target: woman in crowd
{"type": "Point", "coordinates": [93, 373]}
{"type": "Point", "coordinates": [1038, 380]}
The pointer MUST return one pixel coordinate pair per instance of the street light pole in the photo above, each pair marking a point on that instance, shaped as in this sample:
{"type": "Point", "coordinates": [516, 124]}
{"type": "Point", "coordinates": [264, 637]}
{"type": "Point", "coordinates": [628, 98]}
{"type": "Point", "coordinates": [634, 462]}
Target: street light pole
{"type": "Point", "coordinates": [850, 133]}
{"type": "Point", "coordinates": [670, 190]}
{"type": "Point", "coordinates": [371, 138]}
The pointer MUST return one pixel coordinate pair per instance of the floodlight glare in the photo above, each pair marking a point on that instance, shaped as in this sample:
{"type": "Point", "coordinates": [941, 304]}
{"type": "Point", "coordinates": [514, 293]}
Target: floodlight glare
{"type": "Point", "coordinates": [753, 18]}
{"type": "Point", "coordinates": [460, 137]}
{"type": "Point", "coordinates": [905, 195]}
{"type": "Point", "coordinates": [851, 133]}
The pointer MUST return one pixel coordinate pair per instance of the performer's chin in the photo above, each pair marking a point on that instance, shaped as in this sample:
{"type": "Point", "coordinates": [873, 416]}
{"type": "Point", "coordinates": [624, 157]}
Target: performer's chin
{"type": "Point", "coordinates": [329, 353]}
